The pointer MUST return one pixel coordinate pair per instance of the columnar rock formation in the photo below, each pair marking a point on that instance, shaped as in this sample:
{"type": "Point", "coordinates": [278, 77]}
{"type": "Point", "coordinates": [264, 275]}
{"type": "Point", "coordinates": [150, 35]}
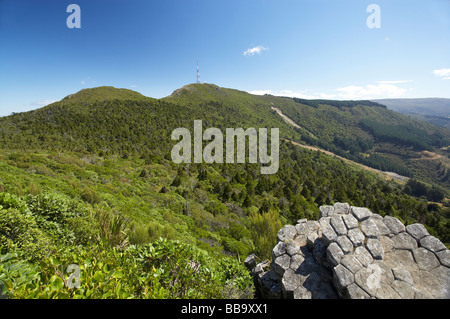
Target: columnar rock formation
{"type": "Point", "coordinates": [352, 253]}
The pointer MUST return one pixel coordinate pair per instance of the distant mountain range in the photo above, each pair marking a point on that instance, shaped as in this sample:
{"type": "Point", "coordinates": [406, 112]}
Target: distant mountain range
{"type": "Point", "coordinates": [432, 110]}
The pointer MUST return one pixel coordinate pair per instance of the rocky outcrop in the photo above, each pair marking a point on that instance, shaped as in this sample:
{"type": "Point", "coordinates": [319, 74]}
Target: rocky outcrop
{"type": "Point", "coordinates": [352, 253]}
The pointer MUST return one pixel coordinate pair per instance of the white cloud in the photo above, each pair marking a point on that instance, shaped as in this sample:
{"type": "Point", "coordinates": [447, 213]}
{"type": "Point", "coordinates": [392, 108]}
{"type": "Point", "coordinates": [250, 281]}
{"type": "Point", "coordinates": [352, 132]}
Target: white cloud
{"type": "Point", "coordinates": [43, 103]}
{"type": "Point", "coordinates": [383, 89]}
{"type": "Point", "coordinates": [300, 94]}
{"type": "Point", "coordinates": [394, 82]}
{"type": "Point", "coordinates": [370, 91]}
{"type": "Point", "coordinates": [261, 92]}
{"type": "Point", "coordinates": [442, 72]}
{"type": "Point", "coordinates": [255, 50]}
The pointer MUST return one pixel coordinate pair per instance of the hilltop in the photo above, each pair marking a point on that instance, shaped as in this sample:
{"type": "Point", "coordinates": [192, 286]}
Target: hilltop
{"type": "Point", "coordinates": [104, 93]}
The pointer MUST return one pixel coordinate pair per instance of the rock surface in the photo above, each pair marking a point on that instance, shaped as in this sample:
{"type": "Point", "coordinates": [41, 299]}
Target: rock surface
{"type": "Point", "coordinates": [352, 253]}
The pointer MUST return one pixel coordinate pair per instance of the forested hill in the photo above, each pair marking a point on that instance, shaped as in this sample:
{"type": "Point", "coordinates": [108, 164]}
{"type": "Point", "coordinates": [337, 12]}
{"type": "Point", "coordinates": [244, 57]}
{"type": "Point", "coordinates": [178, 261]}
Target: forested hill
{"type": "Point", "coordinates": [89, 180]}
{"type": "Point", "coordinates": [110, 120]}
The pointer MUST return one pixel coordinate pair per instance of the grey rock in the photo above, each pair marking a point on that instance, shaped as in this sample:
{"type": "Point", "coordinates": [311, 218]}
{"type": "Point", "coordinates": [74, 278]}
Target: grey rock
{"type": "Point", "coordinates": [386, 276]}
{"type": "Point", "coordinates": [311, 238]}
{"type": "Point", "coordinates": [425, 259]}
{"type": "Point", "coordinates": [290, 282]}
{"type": "Point", "coordinates": [342, 277]}
{"type": "Point", "coordinates": [375, 249]}
{"type": "Point", "coordinates": [351, 263]}
{"type": "Point", "coordinates": [292, 248]}
{"type": "Point", "coordinates": [261, 267]}
{"type": "Point", "coordinates": [286, 233]}
{"type": "Point", "coordinates": [323, 222]}
{"type": "Point", "coordinates": [302, 293]}
{"type": "Point", "coordinates": [361, 213]}
{"type": "Point", "coordinates": [386, 292]}
{"type": "Point", "coordinates": [382, 228]}
{"type": "Point", "coordinates": [444, 257]}
{"type": "Point", "coordinates": [250, 262]}
{"type": "Point", "coordinates": [363, 256]}
{"type": "Point", "coordinates": [369, 279]}
{"type": "Point", "coordinates": [430, 283]}
{"type": "Point", "coordinates": [442, 275]}
{"type": "Point", "coordinates": [338, 225]}
{"type": "Point", "coordinates": [402, 274]}
{"type": "Point", "coordinates": [417, 231]}
{"type": "Point", "coordinates": [301, 240]}
{"type": "Point", "coordinates": [403, 258]}
{"type": "Point", "coordinates": [278, 250]}
{"type": "Point", "coordinates": [405, 290]}
{"type": "Point", "coordinates": [341, 208]}
{"type": "Point", "coordinates": [387, 243]}
{"type": "Point", "coordinates": [296, 262]}
{"type": "Point", "coordinates": [329, 235]}
{"type": "Point", "coordinates": [404, 241]}
{"type": "Point", "coordinates": [394, 224]}
{"type": "Point", "coordinates": [345, 244]}
{"type": "Point", "coordinates": [325, 211]}
{"type": "Point", "coordinates": [423, 295]}
{"type": "Point", "coordinates": [356, 237]}
{"type": "Point", "coordinates": [355, 292]}
{"type": "Point", "coordinates": [369, 228]}
{"type": "Point", "coordinates": [312, 226]}
{"type": "Point", "coordinates": [300, 228]}
{"type": "Point", "coordinates": [281, 264]}
{"type": "Point", "coordinates": [432, 243]}
{"type": "Point", "coordinates": [353, 255]}
{"type": "Point", "coordinates": [350, 221]}
{"type": "Point", "coordinates": [334, 254]}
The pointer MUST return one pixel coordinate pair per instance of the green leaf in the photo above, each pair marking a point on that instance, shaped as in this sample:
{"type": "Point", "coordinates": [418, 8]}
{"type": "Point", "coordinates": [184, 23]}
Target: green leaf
{"type": "Point", "coordinates": [118, 274]}
{"type": "Point", "coordinates": [56, 283]}
{"type": "Point", "coordinates": [54, 260]}
{"type": "Point", "coordinates": [98, 276]}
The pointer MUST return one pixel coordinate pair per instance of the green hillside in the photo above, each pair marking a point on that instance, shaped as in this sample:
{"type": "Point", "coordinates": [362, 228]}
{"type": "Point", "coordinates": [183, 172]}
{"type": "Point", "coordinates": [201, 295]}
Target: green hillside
{"type": "Point", "coordinates": [89, 181]}
{"type": "Point", "coordinates": [103, 93]}
{"type": "Point", "coordinates": [110, 120]}
{"type": "Point", "coordinates": [368, 133]}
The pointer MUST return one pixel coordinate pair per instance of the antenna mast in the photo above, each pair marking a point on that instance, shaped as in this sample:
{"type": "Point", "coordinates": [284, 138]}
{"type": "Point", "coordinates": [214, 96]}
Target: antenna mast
{"type": "Point", "coordinates": [198, 73]}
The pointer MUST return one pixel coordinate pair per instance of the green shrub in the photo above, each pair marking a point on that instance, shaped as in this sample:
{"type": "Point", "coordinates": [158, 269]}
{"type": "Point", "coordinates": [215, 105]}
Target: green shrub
{"type": "Point", "coordinates": [139, 235]}
{"type": "Point", "coordinates": [20, 233]}
{"type": "Point", "coordinates": [113, 227]}
{"type": "Point", "coordinates": [90, 196]}
{"type": "Point", "coordinates": [156, 230]}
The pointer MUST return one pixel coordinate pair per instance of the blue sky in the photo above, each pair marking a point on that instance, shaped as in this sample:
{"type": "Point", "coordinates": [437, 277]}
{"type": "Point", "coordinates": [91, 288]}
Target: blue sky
{"type": "Point", "coordinates": [309, 49]}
